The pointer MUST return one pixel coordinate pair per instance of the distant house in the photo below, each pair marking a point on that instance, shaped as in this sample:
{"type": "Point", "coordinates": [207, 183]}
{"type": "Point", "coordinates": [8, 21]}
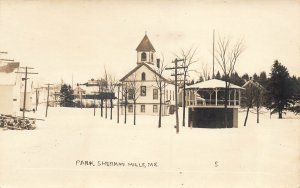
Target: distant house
{"type": "Point", "coordinates": [92, 92]}
{"type": "Point", "coordinates": [10, 85]}
{"type": "Point", "coordinates": [144, 76]}
{"type": "Point", "coordinates": [54, 91]}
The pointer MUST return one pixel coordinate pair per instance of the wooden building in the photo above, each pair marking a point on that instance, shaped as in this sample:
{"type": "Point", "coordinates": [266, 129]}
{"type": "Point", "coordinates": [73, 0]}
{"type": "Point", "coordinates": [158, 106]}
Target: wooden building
{"type": "Point", "coordinates": [10, 85]}
{"type": "Point", "coordinates": [206, 104]}
{"type": "Point", "coordinates": [146, 91]}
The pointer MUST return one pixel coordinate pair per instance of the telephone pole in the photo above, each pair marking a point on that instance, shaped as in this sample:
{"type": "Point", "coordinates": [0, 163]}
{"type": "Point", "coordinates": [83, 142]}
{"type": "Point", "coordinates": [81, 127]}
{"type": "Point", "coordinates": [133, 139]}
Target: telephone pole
{"type": "Point", "coordinates": [25, 87]}
{"type": "Point", "coordinates": [176, 67]}
{"type": "Point", "coordinates": [37, 93]}
{"type": "Point", "coordinates": [48, 88]}
{"type": "Point", "coordinates": [213, 76]}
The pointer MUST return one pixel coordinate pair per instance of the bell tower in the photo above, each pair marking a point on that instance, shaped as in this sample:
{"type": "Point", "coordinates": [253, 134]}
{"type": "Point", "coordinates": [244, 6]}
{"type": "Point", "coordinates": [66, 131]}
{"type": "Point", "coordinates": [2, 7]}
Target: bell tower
{"type": "Point", "coordinates": [145, 51]}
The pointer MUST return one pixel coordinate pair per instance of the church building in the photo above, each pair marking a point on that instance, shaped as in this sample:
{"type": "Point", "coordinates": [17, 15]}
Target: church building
{"type": "Point", "coordinates": [141, 84]}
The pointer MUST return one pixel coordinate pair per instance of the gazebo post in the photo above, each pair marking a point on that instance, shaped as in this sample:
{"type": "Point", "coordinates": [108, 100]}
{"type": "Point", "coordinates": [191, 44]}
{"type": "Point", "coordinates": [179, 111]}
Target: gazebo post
{"type": "Point", "coordinates": [195, 98]}
{"type": "Point", "coordinates": [188, 102]}
{"type": "Point", "coordinates": [239, 97]}
{"type": "Point", "coordinates": [188, 97]}
{"type": "Point", "coordinates": [210, 97]}
{"type": "Point", "coordinates": [216, 96]}
{"type": "Point", "coordinates": [234, 97]}
{"type": "Point", "coordinates": [229, 97]}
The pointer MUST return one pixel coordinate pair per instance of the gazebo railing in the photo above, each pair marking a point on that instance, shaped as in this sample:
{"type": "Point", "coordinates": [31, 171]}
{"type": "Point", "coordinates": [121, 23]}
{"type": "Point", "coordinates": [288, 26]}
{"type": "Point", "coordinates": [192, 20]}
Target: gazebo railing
{"type": "Point", "coordinates": [212, 102]}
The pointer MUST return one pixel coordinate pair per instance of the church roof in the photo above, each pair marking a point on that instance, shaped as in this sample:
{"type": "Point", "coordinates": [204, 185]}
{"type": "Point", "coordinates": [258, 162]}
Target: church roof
{"type": "Point", "coordinates": [145, 45]}
{"type": "Point", "coordinates": [150, 68]}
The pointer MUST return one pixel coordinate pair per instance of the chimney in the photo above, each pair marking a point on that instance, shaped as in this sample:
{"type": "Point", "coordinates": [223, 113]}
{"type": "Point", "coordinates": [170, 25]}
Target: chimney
{"type": "Point", "coordinates": [158, 63]}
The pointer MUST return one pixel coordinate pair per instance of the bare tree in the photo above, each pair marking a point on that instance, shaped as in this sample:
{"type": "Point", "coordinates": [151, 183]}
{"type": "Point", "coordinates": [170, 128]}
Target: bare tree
{"type": "Point", "coordinates": [227, 57]}
{"type": "Point", "coordinates": [134, 93]}
{"type": "Point", "coordinates": [102, 84]}
{"type": "Point", "coordinates": [259, 99]}
{"type": "Point", "coordinates": [125, 90]}
{"type": "Point", "coordinates": [111, 89]}
{"type": "Point", "coordinates": [205, 72]}
{"type": "Point", "coordinates": [161, 84]}
{"type": "Point", "coordinates": [248, 99]}
{"type": "Point", "coordinates": [253, 96]}
{"type": "Point", "coordinates": [188, 59]}
{"type": "Point", "coordinates": [106, 90]}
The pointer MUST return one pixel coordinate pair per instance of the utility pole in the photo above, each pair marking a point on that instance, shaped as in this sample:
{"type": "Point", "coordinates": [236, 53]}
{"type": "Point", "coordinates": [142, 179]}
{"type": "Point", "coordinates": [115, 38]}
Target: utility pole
{"type": "Point", "coordinates": [36, 98]}
{"type": "Point", "coordinates": [176, 83]}
{"type": "Point", "coordinates": [55, 97]}
{"type": "Point", "coordinates": [213, 54]}
{"type": "Point", "coordinates": [48, 88]}
{"type": "Point", "coordinates": [25, 87]}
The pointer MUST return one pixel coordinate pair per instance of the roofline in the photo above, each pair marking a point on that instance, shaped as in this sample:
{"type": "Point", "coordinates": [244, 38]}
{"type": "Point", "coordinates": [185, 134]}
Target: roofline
{"type": "Point", "coordinates": [140, 65]}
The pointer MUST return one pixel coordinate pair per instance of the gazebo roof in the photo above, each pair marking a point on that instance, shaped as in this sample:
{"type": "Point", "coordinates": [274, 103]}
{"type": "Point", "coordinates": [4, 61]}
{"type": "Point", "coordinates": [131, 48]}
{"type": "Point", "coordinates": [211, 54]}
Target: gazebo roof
{"type": "Point", "coordinates": [212, 84]}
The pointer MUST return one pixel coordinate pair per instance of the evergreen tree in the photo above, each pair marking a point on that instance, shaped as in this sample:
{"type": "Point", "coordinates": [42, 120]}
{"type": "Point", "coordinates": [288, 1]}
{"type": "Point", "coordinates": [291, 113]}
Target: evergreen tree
{"type": "Point", "coordinates": [218, 76]}
{"type": "Point", "coordinates": [280, 91]}
{"type": "Point", "coordinates": [201, 79]}
{"type": "Point", "coordinates": [66, 96]}
{"type": "Point", "coordinates": [255, 77]}
{"type": "Point", "coordinates": [295, 84]}
{"type": "Point", "coordinates": [262, 80]}
{"type": "Point", "coordinates": [236, 79]}
{"type": "Point", "coordinates": [245, 77]}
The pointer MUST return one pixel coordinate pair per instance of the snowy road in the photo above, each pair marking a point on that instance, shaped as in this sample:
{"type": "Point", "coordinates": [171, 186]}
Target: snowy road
{"type": "Point", "coordinates": [118, 155]}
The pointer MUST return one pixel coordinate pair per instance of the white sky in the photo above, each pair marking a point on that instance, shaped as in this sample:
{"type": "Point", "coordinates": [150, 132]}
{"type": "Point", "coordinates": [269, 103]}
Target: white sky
{"type": "Point", "coordinates": [61, 38]}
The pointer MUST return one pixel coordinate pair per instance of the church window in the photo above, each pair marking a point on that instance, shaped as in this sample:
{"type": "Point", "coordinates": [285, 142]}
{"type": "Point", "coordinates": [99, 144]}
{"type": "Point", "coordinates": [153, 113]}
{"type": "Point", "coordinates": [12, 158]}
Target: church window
{"type": "Point", "coordinates": [155, 108]}
{"type": "Point", "coordinates": [130, 108]}
{"type": "Point", "coordinates": [155, 93]}
{"type": "Point", "coordinates": [130, 93]}
{"type": "Point", "coordinates": [143, 108]}
{"type": "Point", "coordinates": [143, 76]}
{"type": "Point", "coordinates": [143, 91]}
{"type": "Point", "coordinates": [144, 56]}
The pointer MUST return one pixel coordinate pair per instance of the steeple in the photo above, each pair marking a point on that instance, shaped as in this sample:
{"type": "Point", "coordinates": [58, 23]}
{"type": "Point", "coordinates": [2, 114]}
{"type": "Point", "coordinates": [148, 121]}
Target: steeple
{"type": "Point", "coordinates": [145, 51]}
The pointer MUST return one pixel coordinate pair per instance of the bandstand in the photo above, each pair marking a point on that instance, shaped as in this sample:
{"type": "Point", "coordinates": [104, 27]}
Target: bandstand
{"type": "Point", "coordinates": [206, 104]}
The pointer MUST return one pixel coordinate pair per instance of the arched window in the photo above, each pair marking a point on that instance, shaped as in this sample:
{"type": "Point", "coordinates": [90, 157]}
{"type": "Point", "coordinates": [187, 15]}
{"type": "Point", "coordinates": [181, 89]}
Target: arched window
{"type": "Point", "coordinates": [143, 76]}
{"type": "Point", "coordinates": [144, 56]}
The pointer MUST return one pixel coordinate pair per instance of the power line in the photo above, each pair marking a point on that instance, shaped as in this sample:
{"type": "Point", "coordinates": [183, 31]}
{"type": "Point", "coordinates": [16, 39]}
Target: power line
{"type": "Point", "coordinates": [25, 88]}
{"type": "Point", "coordinates": [176, 67]}
{"type": "Point", "coordinates": [48, 88]}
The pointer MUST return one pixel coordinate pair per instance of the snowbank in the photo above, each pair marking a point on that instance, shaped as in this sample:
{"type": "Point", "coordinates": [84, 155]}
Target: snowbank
{"type": "Point", "coordinates": [259, 155]}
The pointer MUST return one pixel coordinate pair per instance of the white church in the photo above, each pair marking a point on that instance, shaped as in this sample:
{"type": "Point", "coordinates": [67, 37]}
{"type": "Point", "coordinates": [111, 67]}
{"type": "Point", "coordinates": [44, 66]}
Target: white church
{"type": "Point", "coordinates": [144, 76]}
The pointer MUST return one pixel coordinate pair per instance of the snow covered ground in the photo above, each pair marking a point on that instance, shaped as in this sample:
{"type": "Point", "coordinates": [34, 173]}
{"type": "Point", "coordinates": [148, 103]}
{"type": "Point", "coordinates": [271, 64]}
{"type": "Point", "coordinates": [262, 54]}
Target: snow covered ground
{"type": "Point", "coordinates": [54, 155]}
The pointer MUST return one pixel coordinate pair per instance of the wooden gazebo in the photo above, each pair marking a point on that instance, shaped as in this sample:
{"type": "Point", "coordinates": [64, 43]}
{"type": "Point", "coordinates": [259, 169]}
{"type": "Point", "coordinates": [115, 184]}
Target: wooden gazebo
{"type": "Point", "coordinates": [206, 103]}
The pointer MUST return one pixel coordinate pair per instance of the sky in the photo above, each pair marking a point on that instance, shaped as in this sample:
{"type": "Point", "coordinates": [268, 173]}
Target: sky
{"type": "Point", "coordinates": [65, 39]}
